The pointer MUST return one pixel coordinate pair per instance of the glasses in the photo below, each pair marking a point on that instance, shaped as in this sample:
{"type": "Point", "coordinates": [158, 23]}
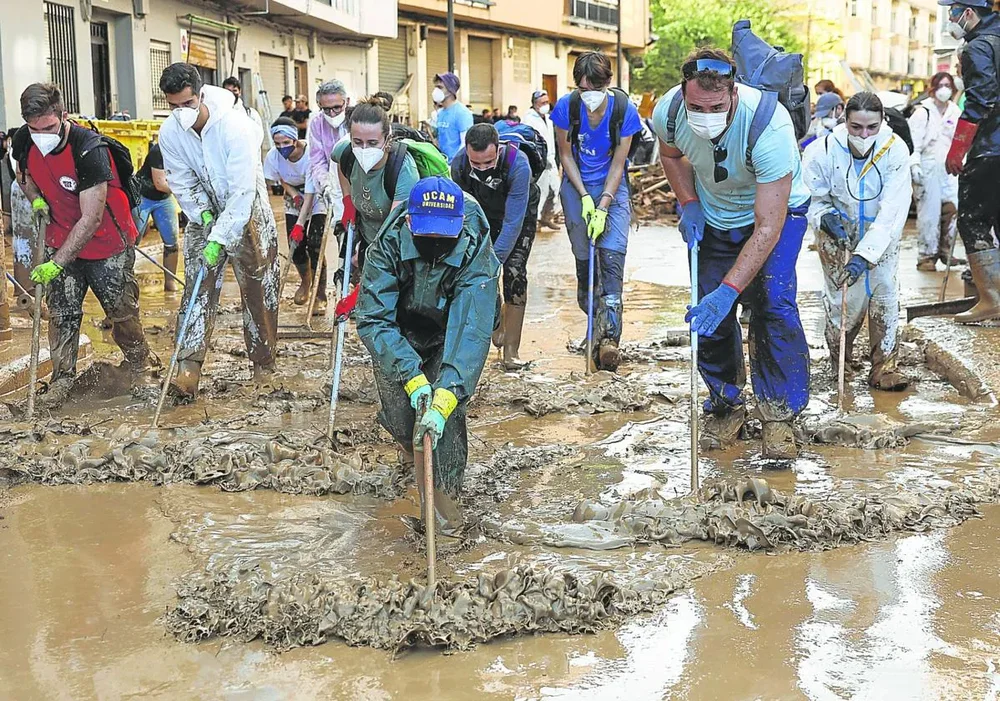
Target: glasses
{"type": "Point", "coordinates": [720, 154]}
{"type": "Point", "coordinates": [332, 111]}
{"type": "Point", "coordinates": [707, 65]}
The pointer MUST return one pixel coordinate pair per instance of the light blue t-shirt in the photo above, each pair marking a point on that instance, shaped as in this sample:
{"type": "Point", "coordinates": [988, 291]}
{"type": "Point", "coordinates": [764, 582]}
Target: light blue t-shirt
{"type": "Point", "coordinates": [595, 143]}
{"type": "Point", "coordinates": [729, 204]}
{"type": "Point", "coordinates": [452, 122]}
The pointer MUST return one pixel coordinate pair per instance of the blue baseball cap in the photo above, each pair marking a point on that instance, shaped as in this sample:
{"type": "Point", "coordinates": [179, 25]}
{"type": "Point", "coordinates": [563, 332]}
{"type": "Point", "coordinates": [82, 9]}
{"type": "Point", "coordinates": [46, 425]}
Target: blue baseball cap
{"type": "Point", "coordinates": [826, 103]}
{"type": "Point", "coordinates": [967, 3]}
{"type": "Point", "coordinates": [436, 207]}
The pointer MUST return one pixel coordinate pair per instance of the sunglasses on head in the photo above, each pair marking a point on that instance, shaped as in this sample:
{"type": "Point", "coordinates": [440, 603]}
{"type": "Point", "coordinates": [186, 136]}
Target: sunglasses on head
{"type": "Point", "coordinates": [707, 65]}
{"type": "Point", "coordinates": [719, 155]}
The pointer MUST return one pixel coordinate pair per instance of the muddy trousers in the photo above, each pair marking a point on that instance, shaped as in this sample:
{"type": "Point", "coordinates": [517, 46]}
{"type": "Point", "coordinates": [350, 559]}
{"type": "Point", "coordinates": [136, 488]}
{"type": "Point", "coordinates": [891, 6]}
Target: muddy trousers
{"type": "Point", "coordinates": [978, 203]}
{"type": "Point", "coordinates": [398, 418]}
{"type": "Point", "coordinates": [23, 237]}
{"type": "Point", "coordinates": [609, 273]}
{"type": "Point", "coordinates": [548, 185]}
{"type": "Point", "coordinates": [937, 199]}
{"type": "Point", "coordinates": [113, 282]}
{"type": "Point", "coordinates": [779, 355]}
{"type": "Point", "coordinates": [255, 264]}
{"type": "Point", "coordinates": [875, 295]}
{"type": "Point", "coordinates": [515, 268]}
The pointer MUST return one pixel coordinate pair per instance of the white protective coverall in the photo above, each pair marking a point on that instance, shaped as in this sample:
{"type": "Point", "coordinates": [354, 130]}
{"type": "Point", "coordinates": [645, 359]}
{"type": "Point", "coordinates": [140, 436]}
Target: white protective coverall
{"type": "Point", "coordinates": [872, 202]}
{"type": "Point", "coordinates": [937, 192]}
{"type": "Point", "coordinates": [549, 181]}
{"type": "Point", "coordinates": [220, 172]}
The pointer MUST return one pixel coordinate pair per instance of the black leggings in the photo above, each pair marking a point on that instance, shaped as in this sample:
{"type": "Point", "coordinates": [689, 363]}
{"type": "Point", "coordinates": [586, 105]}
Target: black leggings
{"type": "Point", "coordinates": [308, 250]}
{"type": "Point", "coordinates": [978, 204]}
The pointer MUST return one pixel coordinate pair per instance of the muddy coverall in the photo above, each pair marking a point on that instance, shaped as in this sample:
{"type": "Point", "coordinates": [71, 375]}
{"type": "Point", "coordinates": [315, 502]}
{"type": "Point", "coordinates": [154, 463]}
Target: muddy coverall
{"type": "Point", "coordinates": [871, 197]}
{"type": "Point", "coordinates": [220, 172]}
{"type": "Point", "coordinates": [433, 318]}
{"type": "Point", "coordinates": [937, 193]}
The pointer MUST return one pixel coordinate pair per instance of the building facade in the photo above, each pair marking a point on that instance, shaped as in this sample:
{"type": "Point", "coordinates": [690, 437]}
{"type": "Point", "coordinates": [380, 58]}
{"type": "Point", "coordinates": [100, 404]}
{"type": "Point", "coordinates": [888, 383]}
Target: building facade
{"type": "Point", "coordinates": [107, 56]}
{"type": "Point", "coordinates": [504, 50]}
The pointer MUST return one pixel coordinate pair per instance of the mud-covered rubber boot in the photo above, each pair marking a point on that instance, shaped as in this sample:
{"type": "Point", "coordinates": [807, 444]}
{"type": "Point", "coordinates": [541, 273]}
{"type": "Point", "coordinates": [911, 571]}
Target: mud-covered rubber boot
{"type": "Point", "coordinates": [171, 254]}
{"type": "Point", "coordinates": [450, 522]}
{"type": "Point", "coordinates": [319, 306]}
{"type": "Point", "coordinates": [264, 376]}
{"type": "Point", "coordinates": [499, 333]}
{"type": "Point", "coordinates": [886, 377]}
{"type": "Point", "coordinates": [985, 266]}
{"type": "Point", "coordinates": [779, 441]}
{"type": "Point", "coordinates": [608, 332]}
{"type": "Point", "coordinates": [184, 386]}
{"type": "Point", "coordinates": [512, 325]}
{"type": "Point", "coordinates": [56, 394]}
{"type": "Point", "coordinates": [720, 431]}
{"type": "Point", "coordinates": [305, 283]}
{"type": "Point", "coordinates": [927, 264]}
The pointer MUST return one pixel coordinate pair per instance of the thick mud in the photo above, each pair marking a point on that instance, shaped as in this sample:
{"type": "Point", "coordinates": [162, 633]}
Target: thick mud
{"type": "Point", "coordinates": [586, 526]}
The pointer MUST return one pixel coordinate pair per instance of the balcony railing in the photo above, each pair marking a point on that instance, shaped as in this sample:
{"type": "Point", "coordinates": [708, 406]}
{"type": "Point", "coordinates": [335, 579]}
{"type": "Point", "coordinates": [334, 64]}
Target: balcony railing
{"type": "Point", "coordinates": [591, 12]}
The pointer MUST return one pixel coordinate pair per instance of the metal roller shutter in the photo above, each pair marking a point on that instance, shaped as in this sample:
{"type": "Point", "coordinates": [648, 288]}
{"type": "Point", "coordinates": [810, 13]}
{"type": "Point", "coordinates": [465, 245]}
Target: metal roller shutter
{"type": "Point", "coordinates": [274, 76]}
{"type": "Point", "coordinates": [437, 56]}
{"type": "Point", "coordinates": [204, 52]}
{"type": "Point", "coordinates": [392, 62]}
{"type": "Point", "coordinates": [480, 73]}
{"type": "Point", "coordinates": [522, 61]}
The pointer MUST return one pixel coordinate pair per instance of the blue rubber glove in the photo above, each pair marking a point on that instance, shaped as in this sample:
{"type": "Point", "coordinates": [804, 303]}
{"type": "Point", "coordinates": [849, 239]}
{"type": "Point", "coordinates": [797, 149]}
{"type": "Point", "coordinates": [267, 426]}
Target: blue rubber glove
{"type": "Point", "coordinates": [431, 422]}
{"type": "Point", "coordinates": [420, 399]}
{"type": "Point", "coordinates": [851, 272]}
{"type": "Point", "coordinates": [706, 316]}
{"type": "Point", "coordinates": [832, 225]}
{"type": "Point", "coordinates": [692, 223]}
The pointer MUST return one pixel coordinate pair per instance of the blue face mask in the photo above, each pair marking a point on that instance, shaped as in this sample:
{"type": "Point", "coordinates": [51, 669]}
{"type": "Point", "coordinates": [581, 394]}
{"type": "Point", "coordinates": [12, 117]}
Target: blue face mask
{"type": "Point", "coordinates": [286, 151]}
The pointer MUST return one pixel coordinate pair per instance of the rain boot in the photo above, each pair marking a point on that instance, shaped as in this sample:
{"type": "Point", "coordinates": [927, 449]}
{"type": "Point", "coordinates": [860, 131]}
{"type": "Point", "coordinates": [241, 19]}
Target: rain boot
{"type": "Point", "coordinates": [319, 306]}
{"type": "Point", "coordinates": [305, 283]}
{"type": "Point", "coordinates": [927, 264]}
{"type": "Point", "coordinates": [608, 332]}
{"type": "Point", "coordinates": [170, 256]}
{"type": "Point", "coordinates": [885, 376]}
{"type": "Point", "coordinates": [263, 376]}
{"type": "Point", "coordinates": [499, 332]}
{"type": "Point", "coordinates": [779, 441]}
{"type": "Point", "coordinates": [184, 386]}
{"type": "Point", "coordinates": [513, 322]}
{"type": "Point", "coordinates": [721, 430]}
{"type": "Point", "coordinates": [985, 266]}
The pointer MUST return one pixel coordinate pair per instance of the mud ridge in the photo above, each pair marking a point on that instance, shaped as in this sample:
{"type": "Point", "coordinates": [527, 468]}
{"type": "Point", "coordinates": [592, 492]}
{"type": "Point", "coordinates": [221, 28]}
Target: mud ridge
{"type": "Point", "coordinates": [947, 365]}
{"type": "Point", "coordinates": [599, 393]}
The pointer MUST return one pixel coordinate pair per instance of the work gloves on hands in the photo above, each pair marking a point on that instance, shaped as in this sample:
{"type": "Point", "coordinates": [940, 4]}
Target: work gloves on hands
{"type": "Point", "coordinates": [588, 208]}
{"type": "Point", "coordinates": [297, 234]}
{"type": "Point", "coordinates": [598, 222]}
{"type": "Point", "coordinates": [46, 272]}
{"type": "Point", "coordinates": [433, 420]}
{"type": "Point", "coordinates": [706, 316]}
{"type": "Point", "coordinates": [692, 223]}
{"type": "Point", "coordinates": [207, 218]}
{"type": "Point", "coordinates": [832, 225]}
{"type": "Point", "coordinates": [350, 214]}
{"type": "Point", "coordinates": [851, 272]}
{"type": "Point", "coordinates": [40, 212]}
{"type": "Point", "coordinates": [346, 306]}
{"type": "Point", "coordinates": [213, 251]}
{"type": "Point", "coordinates": [419, 391]}
{"type": "Point", "coordinates": [298, 201]}
{"type": "Point", "coordinates": [965, 132]}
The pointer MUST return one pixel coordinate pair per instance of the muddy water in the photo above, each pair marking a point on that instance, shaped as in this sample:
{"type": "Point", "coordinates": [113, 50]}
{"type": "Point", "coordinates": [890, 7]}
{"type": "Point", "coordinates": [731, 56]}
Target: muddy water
{"type": "Point", "coordinates": [91, 570]}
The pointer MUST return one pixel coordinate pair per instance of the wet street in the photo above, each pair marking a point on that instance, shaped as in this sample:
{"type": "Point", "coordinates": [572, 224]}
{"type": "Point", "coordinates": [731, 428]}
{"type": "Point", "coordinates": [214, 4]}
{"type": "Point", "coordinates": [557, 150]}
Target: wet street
{"type": "Point", "coordinates": [120, 547]}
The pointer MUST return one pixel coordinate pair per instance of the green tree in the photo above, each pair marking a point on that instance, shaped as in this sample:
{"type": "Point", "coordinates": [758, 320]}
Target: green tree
{"type": "Point", "coordinates": [682, 25]}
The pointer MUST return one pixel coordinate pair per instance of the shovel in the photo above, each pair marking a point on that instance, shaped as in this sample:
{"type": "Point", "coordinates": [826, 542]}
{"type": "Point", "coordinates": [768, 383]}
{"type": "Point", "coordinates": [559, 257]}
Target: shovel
{"type": "Point", "coordinates": [36, 324]}
{"type": "Point", "coordinates": [842, 369]}
{"type": "Point", "coordinates": [338, 354]}
{"type": "Point", "coordinates": [426, 454]}
{"type": "Point", "coordinates": [180, 343]}
{"type": "Point", "coordinates": [694, 375]}
{"type": "Point", "coordinates": [318, 273]}
{"type": "Point", "coordinates": [589, 351]}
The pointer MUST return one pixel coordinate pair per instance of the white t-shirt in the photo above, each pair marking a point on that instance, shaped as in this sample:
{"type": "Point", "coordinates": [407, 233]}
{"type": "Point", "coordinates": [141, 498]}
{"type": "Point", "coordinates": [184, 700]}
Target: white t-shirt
{"type": "Point", "coordinates": [297, 174]}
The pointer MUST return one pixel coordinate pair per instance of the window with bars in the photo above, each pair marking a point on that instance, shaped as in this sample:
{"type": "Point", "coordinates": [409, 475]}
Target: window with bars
{"type": "Point", "coordinates": [62, 53]}
{"type": "Point", "coordinates": [159, 59]}
{"type": "Point", "coordinates": [594, 12]}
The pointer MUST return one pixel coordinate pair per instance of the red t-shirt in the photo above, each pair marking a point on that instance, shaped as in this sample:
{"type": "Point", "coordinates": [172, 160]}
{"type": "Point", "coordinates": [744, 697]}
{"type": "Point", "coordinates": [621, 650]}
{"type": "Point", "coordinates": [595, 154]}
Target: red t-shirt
{"type": "Point", "coordinates": [85, 161]}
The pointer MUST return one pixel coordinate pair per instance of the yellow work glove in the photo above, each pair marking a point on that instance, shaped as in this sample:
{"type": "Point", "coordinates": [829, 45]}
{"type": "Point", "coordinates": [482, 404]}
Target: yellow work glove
{"type": "Point", "coordinates": [587, 202]}
{"type": "Point", "coordinates": [598, 221]}
{"type": "Point", "coordinates": [40, 215]}
{"type": "Point", "coordinates": [444, 402]}
{"type": "Point", "coordinates": [419, 391]}
{"type": "Point", "coordinates": [213, 251]}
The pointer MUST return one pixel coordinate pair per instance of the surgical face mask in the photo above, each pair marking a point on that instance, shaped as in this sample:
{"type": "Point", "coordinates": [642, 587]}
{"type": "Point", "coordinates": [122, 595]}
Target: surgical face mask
{"type": "Point", "coordinates": [432, 248]}
{"type": "Point", "coordinates": [438, 95]}
{"type": "Point", "coordinates": [943, 94]}
{"type": "Point", "coordinates": [368, 157]}
{"type": "Point", "coordinates": [829, 122]}
{"type": "Point", "coordinates": [861, 145]}
{"type": "Point", "coordinates": [47, 143]}
{"type": "Point", "coordinates": [544, 109]}
{"type": "Point", "coordinates": [593, 99]}
{"type": "Point", "coordinates": [955, 27]}
{"type": "Point", "coordinates": [335, 120]}
{"type": "Point", "coordinates": [286, 151]}
{"type": "Point", "coordinates": [186, 116]}
{"type": "Point", "coordinates": [708, 125]}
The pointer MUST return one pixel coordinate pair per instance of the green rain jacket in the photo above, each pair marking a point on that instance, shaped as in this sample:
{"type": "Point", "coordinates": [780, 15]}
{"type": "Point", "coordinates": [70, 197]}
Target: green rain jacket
{"type": "Point", "coordinates": [408, 307]}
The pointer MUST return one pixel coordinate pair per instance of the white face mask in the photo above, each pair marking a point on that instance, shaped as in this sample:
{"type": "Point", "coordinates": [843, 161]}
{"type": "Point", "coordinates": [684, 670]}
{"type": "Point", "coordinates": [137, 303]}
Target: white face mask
{"type": "Point", "coordinates": [829, 122]}
{"type": "Point", "coordinates": [47, 143]}
{"type": "Point", "coordinates": [943, 94]}
{"type": "Point", "coordinates": [438, 95]}
{"type": "Point", "coordinates": [707, 125]}
{"type": "Point", "coordinates": [335, 121]}
{"type": "Point", "coordinates": [186, 117]}
{"type": "Point", "coordinates": [368, 157]}
{"type": "Point", "coordinates": [544, 109]}
{"type": "Point", "coordinates": [861, 145]}
{"type": "Point", "coordinates": [956, 30]}
{"type": "Point", "coordinates": [593, 99]}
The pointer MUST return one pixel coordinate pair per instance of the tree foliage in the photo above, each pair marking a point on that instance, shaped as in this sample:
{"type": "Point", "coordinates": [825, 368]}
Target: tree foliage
{"type": "Point", "coordinates": [683, 25]}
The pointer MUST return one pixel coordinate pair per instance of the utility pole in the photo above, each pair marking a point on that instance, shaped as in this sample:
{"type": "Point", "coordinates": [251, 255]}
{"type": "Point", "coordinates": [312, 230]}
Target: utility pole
{"type": "Point", "coordinates": [451, 36]}
{"type": "Point", "coordinates": [618, 55]}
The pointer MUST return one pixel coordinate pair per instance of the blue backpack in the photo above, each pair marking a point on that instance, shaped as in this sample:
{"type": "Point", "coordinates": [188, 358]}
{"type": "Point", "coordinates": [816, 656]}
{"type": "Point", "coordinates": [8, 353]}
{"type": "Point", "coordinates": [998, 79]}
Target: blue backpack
{"type": "Point", "coordinates": [527, 139]}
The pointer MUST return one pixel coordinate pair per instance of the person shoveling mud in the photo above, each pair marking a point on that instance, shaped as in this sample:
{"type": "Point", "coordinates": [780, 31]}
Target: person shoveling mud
{"type": "Point", "coordinates": [427, 307]}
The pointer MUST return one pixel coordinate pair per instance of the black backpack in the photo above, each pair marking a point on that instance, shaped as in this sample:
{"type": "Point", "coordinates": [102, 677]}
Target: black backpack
{"type": "Point", "coordinates": [899, 125]}
{"type": "Point", "coordinates": [618, 110]}
{"type": "Point", "coordinates": [402, 131]}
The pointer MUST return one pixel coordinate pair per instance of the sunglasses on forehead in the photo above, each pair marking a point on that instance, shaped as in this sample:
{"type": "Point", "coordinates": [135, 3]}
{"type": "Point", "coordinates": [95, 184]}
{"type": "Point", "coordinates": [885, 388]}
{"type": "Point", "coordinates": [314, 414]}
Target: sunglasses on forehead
{"type": "Point", "coordinates": [707, 65]}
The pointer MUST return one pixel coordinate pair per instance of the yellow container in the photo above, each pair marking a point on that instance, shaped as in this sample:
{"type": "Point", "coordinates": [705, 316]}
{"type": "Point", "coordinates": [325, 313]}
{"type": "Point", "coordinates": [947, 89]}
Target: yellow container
{"type": "Point", "coordinates": [135, 135]}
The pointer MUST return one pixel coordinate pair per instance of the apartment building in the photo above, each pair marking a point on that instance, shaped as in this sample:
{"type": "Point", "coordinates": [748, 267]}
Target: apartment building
{"type": "Point", "coordinates": [504, 49]}
{"type": "Point", "coordinates": [107, 55]}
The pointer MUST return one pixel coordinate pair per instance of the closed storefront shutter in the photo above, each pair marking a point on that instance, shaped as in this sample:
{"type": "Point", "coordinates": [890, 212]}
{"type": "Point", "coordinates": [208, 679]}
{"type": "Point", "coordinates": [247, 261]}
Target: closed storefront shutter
{"type": "Point", "coordinates": [392, 62]}
{"type": "Point", "coordinates": [437, 56]}
{"type": "Point", "coordinates": [522, 61]}
{"type": "Point", "coordinates": [204, 53]}
{"type": "Point", "coordinates": [274, 76]}
{"type": "Point", "coordinates": [481, 74]}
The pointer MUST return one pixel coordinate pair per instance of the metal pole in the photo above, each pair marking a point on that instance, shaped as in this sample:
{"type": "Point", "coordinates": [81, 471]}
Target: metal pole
{"type": "Point", "coordinates": [694, 375]}
{"type": "Point", "coordinates": [41, 225]}
{"type": "Point", "coordinates": [618, 49]}
{"type": "Point", "coordinates": [338, 355]}
{"type": "Point", "coordinates": [589, 346]}
{"type": "Point", "coordinates": [842, 369]}
{"type": "Point", "coordinates": [181, 333]}
{"type": "Point", "coordinates": [429, 510]}
{"type": "Point", "coordinates": [451, 36]}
